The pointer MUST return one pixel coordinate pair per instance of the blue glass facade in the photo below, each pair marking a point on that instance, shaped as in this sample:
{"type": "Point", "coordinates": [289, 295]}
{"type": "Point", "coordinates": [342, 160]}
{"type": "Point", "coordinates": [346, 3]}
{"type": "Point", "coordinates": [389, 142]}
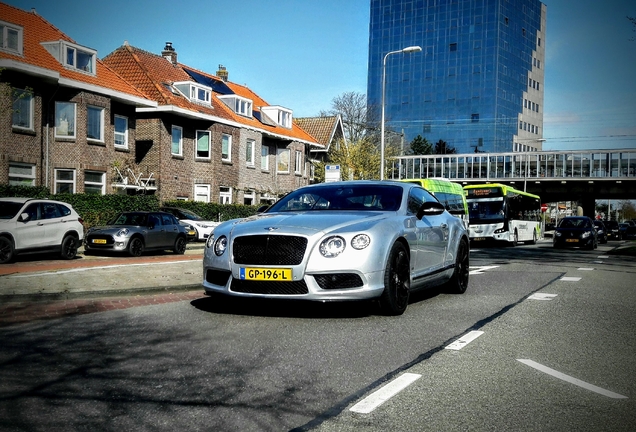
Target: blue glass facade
{"type": "Point", "coordinates": [477, 84]}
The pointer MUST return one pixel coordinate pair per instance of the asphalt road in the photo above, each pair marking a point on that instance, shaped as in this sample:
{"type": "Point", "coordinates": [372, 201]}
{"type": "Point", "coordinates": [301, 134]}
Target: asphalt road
{"type": "Point", "coordinates": [217, 364]}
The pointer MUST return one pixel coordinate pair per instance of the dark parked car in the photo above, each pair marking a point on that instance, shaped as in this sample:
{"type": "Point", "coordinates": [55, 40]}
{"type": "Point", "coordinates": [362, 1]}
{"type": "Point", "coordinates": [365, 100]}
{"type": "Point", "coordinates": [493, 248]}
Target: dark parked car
{"type": "Point", "coordinates": [601, 231]}
{"type": "Point", "coordinates": [612, 230]}
{"type": "Point", "coordinates": [575, 231]}
{"type": "Point", "coordinates": [136, 232]}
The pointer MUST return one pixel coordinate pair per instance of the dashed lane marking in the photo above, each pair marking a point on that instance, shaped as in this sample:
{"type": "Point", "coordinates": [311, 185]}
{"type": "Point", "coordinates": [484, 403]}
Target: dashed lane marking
{"type": "Point", "coordinates": [570, 279]}
{"type": "Point", "coordinates": [480, 270]}
{"type": "Point", "coordinates": [386, 392]}
{"type": "Point", "coordinates": [464, 340]}
{"type": "Point", "coordinates": [586, 268]}
{"type": "Point", "coordinates": [542, 296]}
{"type": "Point", "coordinates": [571, 380]}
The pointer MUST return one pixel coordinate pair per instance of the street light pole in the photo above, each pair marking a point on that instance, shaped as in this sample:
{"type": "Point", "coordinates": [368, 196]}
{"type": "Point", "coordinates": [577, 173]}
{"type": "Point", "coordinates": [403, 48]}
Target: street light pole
{"type": "Point", "coordinates": [410, 49]}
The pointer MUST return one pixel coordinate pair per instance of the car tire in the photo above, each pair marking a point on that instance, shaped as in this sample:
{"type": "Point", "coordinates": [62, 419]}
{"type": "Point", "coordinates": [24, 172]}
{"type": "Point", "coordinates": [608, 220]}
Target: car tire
{"type": "Point", "coordinates": [135, 247]}
{"type": "Point", "coordinates": [69, 247]}
{"type": "Point", "coordinates": [534, 238]}
{"type": "Point", "coordinates": [7, 252]}
{"type": "Point", "coordinates": [458, 282]}
{"type": "Point", "coordinates": [397, 281]}
{"type": "Point", "coordinates": [179, 246]}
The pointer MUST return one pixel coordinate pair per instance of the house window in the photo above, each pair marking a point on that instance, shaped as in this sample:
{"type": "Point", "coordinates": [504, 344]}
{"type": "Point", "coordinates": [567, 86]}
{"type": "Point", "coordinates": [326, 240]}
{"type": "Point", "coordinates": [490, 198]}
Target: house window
{"type": "Point", "coordinates": [21, 174]}
{"type": "Point", "coordinates": [474, 118]}
{"type": "Point", "coordinates": [95, 182]}
{"type": "Point", "coordinates": [264, 157]}
{"type": "Point", "coordinates": [282, 160]}
{"type": "Point", "coordinates": [249, 152]}
{"type": "Point", "coordinates": [202, 192]}
{"type": "Point", "coordinates": [22, 109]}
{"type": "Point", "coordinates": [121, 131]}
{"type": "Point", "coordinates": [249, 197]}
{"type": "Point", "coordinates": [225, 195]}
{"type": "Point", "coordinates": [203, 145]}
{"type": "Point", "coordinates": [65, 119]}
{"type": "Point", "coordinates": [195, 92]}
{"type": "Point", "coordinates": [298, 166]}
{"type": "Point", "coordinates": [177, 141]}
{"type": "Point", "coordinates": [79, 59]}
{"type": "Point", "coordinates": [284, 118]}
{"type": "Point", "coordinates": [64, 181]}
{"type": "Point", "coordinates": [11, 38]}
{"type": "Point", "coordinates": [226, 147]}
{"type": "Point", "coordinates": [95, 125]}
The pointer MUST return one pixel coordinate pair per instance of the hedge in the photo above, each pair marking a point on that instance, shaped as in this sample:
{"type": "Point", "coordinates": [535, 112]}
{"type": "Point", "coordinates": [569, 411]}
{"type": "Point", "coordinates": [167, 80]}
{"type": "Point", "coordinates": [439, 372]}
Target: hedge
{"type": "Point", "coordinates": [99, 209]}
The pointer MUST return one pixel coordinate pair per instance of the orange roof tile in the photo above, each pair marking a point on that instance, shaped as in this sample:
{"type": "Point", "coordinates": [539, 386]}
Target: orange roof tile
{"type": "Point", "coordinates": [322, 128]}
{"type": "Point", "coordinates": [37, 30]}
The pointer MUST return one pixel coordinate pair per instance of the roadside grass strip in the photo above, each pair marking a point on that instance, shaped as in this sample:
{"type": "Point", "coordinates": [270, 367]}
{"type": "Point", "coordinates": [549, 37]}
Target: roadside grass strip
{"type": "Point", "coordinates": [570, 279]}
{"type": "Point", "coordinates": [464, 340]}
{"type": "Point", "coordinates": [571, 380]}
{"type": "Point", "coordinates": [542, 296]}
{"type": "Point", "coordinates": [383, 394]}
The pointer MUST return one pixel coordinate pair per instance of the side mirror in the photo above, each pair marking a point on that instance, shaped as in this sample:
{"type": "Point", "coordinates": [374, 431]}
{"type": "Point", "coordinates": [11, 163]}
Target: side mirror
{"type": "Point", "coordinates": [24, 217]}
{"type": "Point", "coordinates": [430, 208]}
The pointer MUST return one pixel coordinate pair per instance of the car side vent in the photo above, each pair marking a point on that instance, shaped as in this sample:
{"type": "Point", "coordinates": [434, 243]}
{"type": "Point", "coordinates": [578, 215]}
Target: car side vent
{"type": "Point", "coordinates": [338, 281]}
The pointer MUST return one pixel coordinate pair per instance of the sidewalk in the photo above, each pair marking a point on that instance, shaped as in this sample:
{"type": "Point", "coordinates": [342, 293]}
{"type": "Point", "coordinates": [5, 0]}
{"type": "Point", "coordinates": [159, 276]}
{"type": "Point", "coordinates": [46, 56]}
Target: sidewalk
{"type": "Point", "coordinates": [101, 276]}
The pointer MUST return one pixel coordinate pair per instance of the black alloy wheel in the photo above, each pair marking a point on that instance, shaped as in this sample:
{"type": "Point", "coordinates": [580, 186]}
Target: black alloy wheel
{"type": "Point", "coordinates": [69, 247]}
{"type": "Point", "coordinates": [179, 246]}
{"type": "Point", "coordinates": [135, 247]}
{"type": "Point", "coordinates": [458, 283]}
{"type": "Point", "coordinates": [6, 250]}
{"type": "Point", "coordinates": [397, 281]}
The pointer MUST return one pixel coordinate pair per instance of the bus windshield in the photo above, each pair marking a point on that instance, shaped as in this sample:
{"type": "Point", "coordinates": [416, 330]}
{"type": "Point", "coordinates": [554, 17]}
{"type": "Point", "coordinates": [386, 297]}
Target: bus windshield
{"type": "Point", "coordinates": [486, 211]}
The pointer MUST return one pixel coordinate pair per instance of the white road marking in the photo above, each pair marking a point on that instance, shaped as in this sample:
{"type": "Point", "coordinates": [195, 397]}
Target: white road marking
{"type": "Point", "coordinates": [603, 256]}
{"type": "Point", "coordinates": [585, 268]}
{"type": "Point", "coordinates": [570, 279]}
{"type": "Point", "coordinates": [571, 380]}
{"type": "Point", "coordinates": [542, 296]}
{"type": "Point", "coordinates": [480, 270]}
{"type": "Point", "coordinates": [598, 262]}
{"type": "Point", "coordinates": [464, 340]}
{"type": "Point", "coordinates": [383, 394]}
{"type": "Point", "coordinates": [81, 269]}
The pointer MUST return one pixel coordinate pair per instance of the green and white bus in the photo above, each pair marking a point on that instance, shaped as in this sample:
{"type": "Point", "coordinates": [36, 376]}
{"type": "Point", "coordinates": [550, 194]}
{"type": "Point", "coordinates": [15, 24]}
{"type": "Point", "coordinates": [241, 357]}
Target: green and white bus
{"type": "Point", "coordinates": [502, 213]}
{"type": "Point", "coordinates": [452, 195]}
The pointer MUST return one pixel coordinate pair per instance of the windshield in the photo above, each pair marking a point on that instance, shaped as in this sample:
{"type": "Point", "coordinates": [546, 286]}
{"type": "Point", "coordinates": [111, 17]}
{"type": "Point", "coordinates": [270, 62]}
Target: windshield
{"type": "Point", "coordinates": [9, 209]}
{"type": "Point", "coordinates": [338, 197]}
{"type": "Point", "coordinates": [138, 219]}
{"type": "Point", "coordinates": [486, 211]}
{"type": "Point", "coordinates": [573, 223]}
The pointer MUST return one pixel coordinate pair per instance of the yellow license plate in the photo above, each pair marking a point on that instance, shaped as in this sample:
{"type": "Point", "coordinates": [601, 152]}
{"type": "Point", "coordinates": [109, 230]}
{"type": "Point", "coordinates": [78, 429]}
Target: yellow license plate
{"type": "Point", "coordinates": [572, 240]}
{"type": "Point", "coordinates": [266, 274]}
{"type": "Point", "coordinates": [191, 232]}
{"type": "Point", "coordinates": [478, 238]}
{"type": "Point", "coordinates": [99, 241]}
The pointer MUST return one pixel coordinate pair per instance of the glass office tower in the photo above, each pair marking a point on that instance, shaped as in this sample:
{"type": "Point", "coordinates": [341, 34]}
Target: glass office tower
{"type": "Point", "coordinates": [478, 82]}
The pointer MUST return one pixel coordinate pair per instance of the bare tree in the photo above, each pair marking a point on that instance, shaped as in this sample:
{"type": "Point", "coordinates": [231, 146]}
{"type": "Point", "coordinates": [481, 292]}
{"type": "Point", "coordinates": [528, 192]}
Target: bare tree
{"type": "Point", "coordinates": [352, 107]}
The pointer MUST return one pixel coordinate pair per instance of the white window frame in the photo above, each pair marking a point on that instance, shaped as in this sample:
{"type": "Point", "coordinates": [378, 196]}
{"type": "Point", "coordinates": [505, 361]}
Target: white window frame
{"type": "Point", "coordinates": [249, 195]}
{"type": "Point", "coordinates": [281, 155]}
{"type": "Point", "coordinates": [202, 192]}
{"type": "Point", "coordinates": [225, 195]}
{"type": "Point", "coordinates": [195, 92]}
{"type": "Point", "coordinates": [249, 152]}
{"type": "Point", "coordinates": [240, 105]}
{"type": "Point", "coordinates": [17, 178]}
{"type": "Point", "coordinates": [20, 96]}
{"type": "Point", "coordinates": [226, 156]}
{"type": "Point", "coordinates": [59, 182]}
{"type": "Point", "coordinates": [5, 29]}
{"type": "Point", "coordinates": [265, 158]}
{"type": "Point", "coordinates": [123, 136]}
{"type": "Point", "coordinates": [70, 123]}
{"type": "Point", "coordinates": [172, 142]}
{"type": "Point", "coordinates": [100, 184]}
{"type": "Point", "coordinates": [100, 111]}
{"type": "Point", "coordinates": [71, 52]}
{"type": "Point", "coordinates": [202, 133]}
{"type": "Point", "coordinates": [298, 162]}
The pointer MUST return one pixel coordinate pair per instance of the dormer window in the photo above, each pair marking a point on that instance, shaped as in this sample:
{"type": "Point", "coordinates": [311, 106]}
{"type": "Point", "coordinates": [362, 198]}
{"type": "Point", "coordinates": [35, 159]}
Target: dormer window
{"type": "Point", "coordinates": [11, 38]}
{"type": "Point", "coordinates": [195, 92]}
{"type": "Point", "coordinates": [280, 115]}
{"type": "Point", "coordinates": [73, 56]}
{"type": "Point", "coordinates": [238, 104]}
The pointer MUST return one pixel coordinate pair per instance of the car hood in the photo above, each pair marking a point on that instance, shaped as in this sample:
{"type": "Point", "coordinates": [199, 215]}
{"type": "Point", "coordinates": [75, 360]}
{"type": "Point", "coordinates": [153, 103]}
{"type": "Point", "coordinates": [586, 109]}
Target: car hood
{"type": "Point", "coordinates": [307, 223]}
{"type": "Point", "coordinates": [113, 228]}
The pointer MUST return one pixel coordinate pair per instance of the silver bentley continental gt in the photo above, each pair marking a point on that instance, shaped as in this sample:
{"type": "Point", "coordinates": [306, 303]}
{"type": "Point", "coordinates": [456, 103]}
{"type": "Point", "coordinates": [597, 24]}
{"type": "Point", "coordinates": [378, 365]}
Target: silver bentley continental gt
{"type": "Point", "coordinates": [352, 240]}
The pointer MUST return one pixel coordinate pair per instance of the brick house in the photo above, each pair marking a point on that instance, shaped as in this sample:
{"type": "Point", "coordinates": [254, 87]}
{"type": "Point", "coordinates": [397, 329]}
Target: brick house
{"type": "Point", "coordinates": [328, 131]}
{"type": "Point", "coordinates": [210, 139]}
{"type": "Point", "coordinates": [64, 115]}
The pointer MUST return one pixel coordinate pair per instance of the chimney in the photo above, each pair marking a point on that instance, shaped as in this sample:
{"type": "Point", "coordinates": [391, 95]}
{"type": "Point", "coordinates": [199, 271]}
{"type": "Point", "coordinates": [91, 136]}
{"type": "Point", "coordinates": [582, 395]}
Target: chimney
{"type": "Point", "coordinates": [222, 73]}
{"type": "Point", "coordinates": [169, 53]}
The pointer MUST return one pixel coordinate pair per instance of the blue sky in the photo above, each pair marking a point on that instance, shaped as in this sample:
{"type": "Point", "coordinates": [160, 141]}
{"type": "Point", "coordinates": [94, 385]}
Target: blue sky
{"type": "Point", "coordinates": [302, 53]}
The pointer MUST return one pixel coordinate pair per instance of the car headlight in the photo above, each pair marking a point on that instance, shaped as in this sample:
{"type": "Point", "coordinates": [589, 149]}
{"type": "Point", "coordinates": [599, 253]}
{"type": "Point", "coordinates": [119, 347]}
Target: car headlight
{"type": "Point", "coordinates": [557, 234]}
{"type": "Point", "coordinates": [122, 232]}
{"type": "Point", "coordinates": [360, 241]}
{"type": "Point", "coordinates": [586, 234]}
{"type": "Point", "coordinates": [220, 245]}
{"type": "Point", "coordinates": [210, 241]}
{"type": "Point", "coordinates": [332, 246]}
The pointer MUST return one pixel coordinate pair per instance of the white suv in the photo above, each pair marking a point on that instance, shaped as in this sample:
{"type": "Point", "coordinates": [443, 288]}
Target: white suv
{"type": "Point", "coordinates": [30, 225]}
